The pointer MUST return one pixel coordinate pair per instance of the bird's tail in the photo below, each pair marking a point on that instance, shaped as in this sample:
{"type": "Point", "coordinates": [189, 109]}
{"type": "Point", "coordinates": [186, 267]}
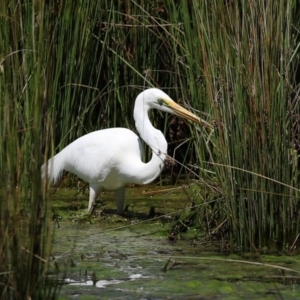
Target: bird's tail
{"type": "Point", "coordinates": [54, 167]}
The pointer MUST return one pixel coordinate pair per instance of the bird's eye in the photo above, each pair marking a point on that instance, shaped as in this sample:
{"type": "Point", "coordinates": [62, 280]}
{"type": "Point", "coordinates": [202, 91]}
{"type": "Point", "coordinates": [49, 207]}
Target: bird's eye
{"type": "Point", "coordinates": [160, 102]}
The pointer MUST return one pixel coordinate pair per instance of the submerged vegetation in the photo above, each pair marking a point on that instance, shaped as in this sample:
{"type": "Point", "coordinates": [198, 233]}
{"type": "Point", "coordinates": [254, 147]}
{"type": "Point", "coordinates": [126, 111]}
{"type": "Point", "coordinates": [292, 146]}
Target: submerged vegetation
{"type": "Point", "coordinates": [71, 67]}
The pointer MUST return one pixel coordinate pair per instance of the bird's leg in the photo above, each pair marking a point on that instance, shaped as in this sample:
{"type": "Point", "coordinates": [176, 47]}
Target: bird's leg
{"type": "Point", "coordinates": [95, 190]}
{"type": "Point", "coordinates": [120, 200]}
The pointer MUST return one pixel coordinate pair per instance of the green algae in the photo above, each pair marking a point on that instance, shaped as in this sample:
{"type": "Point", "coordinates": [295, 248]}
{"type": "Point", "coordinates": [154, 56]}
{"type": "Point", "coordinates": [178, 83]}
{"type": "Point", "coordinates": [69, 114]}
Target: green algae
{"type": "Point", "coordinates": [131, 257]}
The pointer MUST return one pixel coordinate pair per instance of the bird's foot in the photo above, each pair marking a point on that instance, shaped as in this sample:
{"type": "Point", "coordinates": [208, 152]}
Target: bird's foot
{"type": "Point", "coordinates": [97, 208]}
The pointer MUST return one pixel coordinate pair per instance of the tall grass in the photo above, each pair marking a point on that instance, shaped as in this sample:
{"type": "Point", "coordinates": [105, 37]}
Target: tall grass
{"type": "Point", "coordinates": [24, 227]}
{"type": "Point", "coordinates": [250, 60]}
{"type": "Point", "coordinates": [67, 68]}
{"type": "Point", "coordinates": [40, 59]}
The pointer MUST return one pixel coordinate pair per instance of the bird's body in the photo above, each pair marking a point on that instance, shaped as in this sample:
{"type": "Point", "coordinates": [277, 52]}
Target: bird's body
{"type": "Point", "coordinates": [82, 157]}
{"type": "Point", "coordinates": [111, 158]}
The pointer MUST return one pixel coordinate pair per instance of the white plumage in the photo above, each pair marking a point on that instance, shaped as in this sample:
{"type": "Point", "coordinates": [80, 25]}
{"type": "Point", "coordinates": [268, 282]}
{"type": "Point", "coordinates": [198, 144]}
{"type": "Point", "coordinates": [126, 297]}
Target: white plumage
{"type": "Point", "coordinates": [111, 158]}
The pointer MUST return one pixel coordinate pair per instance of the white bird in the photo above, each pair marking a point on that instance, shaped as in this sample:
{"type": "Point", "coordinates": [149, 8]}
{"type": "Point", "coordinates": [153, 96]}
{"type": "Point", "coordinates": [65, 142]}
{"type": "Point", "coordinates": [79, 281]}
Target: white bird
{"type": "Point", "coordinates": [111, 158]}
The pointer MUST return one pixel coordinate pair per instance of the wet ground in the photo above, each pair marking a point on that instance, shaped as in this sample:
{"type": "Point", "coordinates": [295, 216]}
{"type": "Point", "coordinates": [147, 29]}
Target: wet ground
{"type": "Point", "coordinates": [111, 257]}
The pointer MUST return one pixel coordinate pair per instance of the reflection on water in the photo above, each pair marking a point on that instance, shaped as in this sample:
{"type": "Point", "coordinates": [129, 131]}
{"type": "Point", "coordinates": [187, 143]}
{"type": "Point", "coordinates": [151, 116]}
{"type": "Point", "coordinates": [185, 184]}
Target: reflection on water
{"type": "Point", "coordinates": [103, 283]}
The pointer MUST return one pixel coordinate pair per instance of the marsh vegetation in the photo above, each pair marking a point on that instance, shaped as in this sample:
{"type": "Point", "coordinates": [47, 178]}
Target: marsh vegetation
{"type": "Point", "coordinates": [71, 67]}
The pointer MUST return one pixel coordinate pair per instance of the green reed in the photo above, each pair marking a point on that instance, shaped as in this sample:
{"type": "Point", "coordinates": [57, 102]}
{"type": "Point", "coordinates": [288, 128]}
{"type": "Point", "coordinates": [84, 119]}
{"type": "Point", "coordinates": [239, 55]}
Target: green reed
{"type": "Point", "coordinates": [249, 71]}
{"type": "Point", "coordinates": [74, 67]}
{"type": "Point", "coordinates": [24, 226]}
{"type": "Point", "coordinates": [41, 71]}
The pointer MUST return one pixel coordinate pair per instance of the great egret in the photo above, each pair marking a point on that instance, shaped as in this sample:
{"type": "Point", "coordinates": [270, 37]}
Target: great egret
{"type": "Point", "coordinates": [111, 158]}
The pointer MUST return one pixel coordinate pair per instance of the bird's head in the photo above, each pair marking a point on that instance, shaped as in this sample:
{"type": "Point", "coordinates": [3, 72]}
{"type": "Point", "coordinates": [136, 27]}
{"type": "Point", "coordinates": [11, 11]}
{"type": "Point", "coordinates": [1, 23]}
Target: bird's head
{"type": "Point", "coordinates": [156, 98]}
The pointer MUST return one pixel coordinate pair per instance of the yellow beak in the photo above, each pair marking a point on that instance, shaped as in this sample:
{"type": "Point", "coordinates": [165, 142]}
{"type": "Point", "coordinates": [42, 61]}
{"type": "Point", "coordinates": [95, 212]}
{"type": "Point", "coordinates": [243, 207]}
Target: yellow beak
{"type": "Point", "coordinates": [183, 113]}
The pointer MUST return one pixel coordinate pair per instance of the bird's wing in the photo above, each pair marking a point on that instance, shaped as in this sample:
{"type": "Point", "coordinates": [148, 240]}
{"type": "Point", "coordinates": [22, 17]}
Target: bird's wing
{"type": "Point", "coordinates": [98, 154]}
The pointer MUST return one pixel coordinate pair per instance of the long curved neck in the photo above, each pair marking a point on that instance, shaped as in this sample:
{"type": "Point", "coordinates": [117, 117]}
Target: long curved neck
{"type": "Point", "coordinates": [154, 139]}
